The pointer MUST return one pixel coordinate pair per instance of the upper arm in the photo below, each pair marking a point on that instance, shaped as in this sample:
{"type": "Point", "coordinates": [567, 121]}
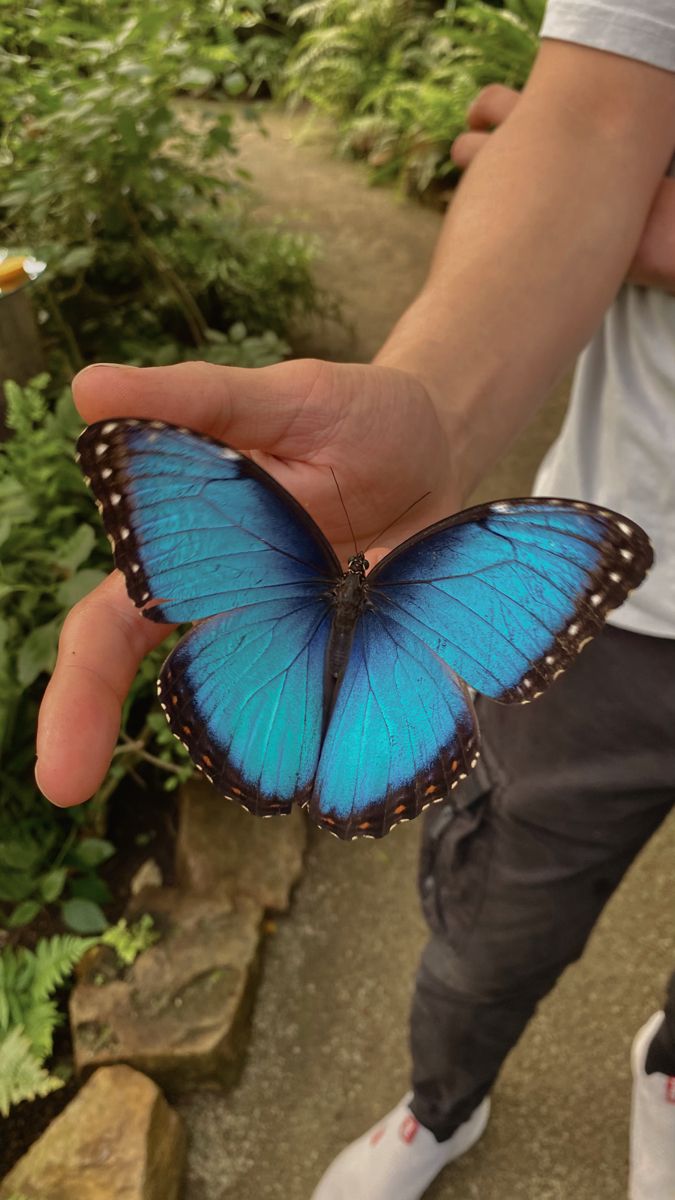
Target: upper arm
{"type": "Point", "coordinates": [627, 106]}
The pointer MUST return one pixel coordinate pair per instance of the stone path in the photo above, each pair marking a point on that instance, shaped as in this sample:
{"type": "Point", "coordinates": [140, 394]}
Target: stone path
{"type": "Point", "coordinates": [328, 1051]}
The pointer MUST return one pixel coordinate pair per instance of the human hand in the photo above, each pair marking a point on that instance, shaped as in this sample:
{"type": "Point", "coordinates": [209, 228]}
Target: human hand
{"type": "Point", "coordinates": [375, 426]}
{"type": "Point", "coordinates": [654, 262]}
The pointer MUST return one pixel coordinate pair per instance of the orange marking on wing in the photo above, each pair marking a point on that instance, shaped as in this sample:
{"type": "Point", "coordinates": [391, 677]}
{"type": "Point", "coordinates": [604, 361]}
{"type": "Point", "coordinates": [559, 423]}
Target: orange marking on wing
{"type": "Point", "coordinates": [399, 809]}
{"type": "Point", "coordinates": [431, 789]}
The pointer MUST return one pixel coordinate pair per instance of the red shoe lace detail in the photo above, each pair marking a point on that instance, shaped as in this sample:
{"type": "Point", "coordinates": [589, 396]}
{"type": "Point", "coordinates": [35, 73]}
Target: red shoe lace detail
{"type": "Point", "coordinates": [408, 1129]}
{"type": "Point", "coordinates": [377, 1136]}
{"type": "Point", "coordinates": [670, 1089]}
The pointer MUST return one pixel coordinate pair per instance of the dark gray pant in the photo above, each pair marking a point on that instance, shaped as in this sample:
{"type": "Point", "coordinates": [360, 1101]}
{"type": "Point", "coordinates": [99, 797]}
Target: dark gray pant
{"type": "Point", "coordinates": [567, 792]}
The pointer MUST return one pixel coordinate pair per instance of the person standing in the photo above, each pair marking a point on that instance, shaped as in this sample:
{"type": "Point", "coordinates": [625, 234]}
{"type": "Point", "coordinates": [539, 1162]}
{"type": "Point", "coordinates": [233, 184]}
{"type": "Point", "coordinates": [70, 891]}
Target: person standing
{"type": "Point", "coordinates": [513, 884]}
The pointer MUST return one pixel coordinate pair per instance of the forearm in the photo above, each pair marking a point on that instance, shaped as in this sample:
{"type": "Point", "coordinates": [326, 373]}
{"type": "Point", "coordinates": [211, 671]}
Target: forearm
{"type": "Point", "coordinates": [535, 245]}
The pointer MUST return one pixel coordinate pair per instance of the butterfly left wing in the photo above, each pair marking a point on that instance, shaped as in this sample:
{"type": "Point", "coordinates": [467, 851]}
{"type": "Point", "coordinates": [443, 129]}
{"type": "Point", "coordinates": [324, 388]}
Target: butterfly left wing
{"type": "Point", "coordinates": [401, 735]}
{"type": "Point", "coordinates": [201, 533]}
{"type": "Point", "coordinates": [196, 527]}
{"type": "Point", "coordinates": [508, 593]}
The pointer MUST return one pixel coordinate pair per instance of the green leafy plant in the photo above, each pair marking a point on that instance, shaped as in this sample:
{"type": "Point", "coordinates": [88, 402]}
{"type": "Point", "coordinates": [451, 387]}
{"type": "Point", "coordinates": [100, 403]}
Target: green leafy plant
{"type": "Point", "coordinates": [29, 1011]}
{"type": "Point", "coordinates": [399, 74]}
{"type": "Point", "coordinates": [257, 36]}
{"type": "Point", "coordinates": [128, 941]}
{"type": "Point", "coordinates": [139, 209]}
{"type": "Point", "coordinates": [22, 1077]}
{"type": "Point", "coordinates": [52, 551]}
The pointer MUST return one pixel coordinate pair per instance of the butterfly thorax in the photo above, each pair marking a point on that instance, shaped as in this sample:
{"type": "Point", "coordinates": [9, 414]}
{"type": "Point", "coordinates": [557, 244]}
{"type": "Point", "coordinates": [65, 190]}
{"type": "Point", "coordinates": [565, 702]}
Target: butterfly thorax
{"type": "Point", "coordinates": [349, 597]}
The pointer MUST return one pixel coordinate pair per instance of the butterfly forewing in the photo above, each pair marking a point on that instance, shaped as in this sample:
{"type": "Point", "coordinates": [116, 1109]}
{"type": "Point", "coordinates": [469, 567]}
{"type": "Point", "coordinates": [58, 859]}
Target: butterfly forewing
{"type": "Point", "coordinates": [197, 528]}
{"type": "Point", "coordinates": [508, 593]}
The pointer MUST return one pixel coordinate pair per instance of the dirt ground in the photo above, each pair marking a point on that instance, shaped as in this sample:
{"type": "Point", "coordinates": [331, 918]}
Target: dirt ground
{"type": "Point", "coordinates": [328, 1053]}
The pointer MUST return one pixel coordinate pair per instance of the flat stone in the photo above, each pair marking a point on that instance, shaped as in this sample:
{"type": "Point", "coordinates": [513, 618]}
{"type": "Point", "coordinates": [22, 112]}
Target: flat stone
{"type": "Point", "coordinates": [117, 1140]}
{"type": "Point", "coordinates": [180, 1013]}
{"type": "Point", "coordinates": [220, 844]}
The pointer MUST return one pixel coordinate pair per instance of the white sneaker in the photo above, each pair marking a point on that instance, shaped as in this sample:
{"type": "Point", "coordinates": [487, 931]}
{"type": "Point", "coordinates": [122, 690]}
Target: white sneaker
{"type": "Point", "coordinates": [652, 1127]}
{"type": "Point", "coordinates": [398, 1158]}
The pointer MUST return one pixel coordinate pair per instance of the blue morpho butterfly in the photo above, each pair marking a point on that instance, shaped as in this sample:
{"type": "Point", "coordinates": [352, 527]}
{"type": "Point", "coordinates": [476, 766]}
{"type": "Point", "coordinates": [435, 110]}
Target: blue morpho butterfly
{"type": "Point", "coordinates": [344, 692]}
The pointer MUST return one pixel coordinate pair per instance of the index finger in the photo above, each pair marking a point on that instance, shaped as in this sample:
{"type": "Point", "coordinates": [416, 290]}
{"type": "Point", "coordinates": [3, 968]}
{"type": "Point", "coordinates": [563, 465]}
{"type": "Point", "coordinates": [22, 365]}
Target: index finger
{"type": "Point", "coordinates": [247, 406]}
{"type": "Point", "coordinates": [103, 640]}
{"type": "Point", "coordinates": [492, 106]}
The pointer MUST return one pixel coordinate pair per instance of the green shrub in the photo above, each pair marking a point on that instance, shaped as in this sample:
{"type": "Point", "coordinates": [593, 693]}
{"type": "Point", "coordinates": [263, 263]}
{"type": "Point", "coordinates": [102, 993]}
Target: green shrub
{"type": "Point", "coordinates": [52, 551]}
{"type": "Point", "coordinates": [29, 1012]}
{"type": "Point", "coordinates": [399, 76]}
{"type": "Point", "coordinates": [140, 211]}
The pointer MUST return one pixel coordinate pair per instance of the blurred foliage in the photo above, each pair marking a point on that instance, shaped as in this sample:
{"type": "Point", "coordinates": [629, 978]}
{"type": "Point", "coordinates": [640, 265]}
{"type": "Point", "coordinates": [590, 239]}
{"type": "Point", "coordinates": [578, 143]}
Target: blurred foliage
{"type": "Point", "coordinates": [52, 552]}
{"type": "Point", "coordinates": [399, 74]}
{"type": "Point", "coordinates": [153, 257]}
{"type": "Point", "coordinates": [139, 210]}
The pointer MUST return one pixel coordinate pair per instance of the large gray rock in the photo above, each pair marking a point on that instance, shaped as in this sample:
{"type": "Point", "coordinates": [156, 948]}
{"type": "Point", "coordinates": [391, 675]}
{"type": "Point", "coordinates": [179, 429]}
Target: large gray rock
{"type": "Point", "coordinates": [180, 1013]}
{"type": "Point", "coordinates": [220, 844]}
{"type": "Point", "coordinates": [117, 1140]}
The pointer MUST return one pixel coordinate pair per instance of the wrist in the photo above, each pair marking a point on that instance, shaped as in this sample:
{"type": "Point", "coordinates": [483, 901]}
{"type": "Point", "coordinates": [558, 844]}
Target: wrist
{"type": "Point", "coordinates": [456, 380]}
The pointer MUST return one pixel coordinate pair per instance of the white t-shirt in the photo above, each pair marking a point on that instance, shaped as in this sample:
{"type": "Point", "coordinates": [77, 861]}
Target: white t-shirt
{"type": "Point", "coordinates": [617, 445]}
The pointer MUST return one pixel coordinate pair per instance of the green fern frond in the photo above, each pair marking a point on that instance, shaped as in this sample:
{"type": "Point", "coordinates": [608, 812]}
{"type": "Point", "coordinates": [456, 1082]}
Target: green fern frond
{"type": "Point", "coordinates": [40, 1020]}
{"type": "Point", "coordinates": [54, 959]}
{"type": "Point", "coordinates": [22, 1076]}
{"type": "Point", "coordinates": [27, 980]}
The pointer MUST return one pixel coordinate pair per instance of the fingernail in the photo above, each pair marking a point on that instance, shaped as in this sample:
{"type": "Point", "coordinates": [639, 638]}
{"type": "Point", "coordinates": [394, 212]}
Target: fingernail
{"type": "Point", "coordinates": [36, 775]}
{"type": "Point", "coordinates": [113, 366]}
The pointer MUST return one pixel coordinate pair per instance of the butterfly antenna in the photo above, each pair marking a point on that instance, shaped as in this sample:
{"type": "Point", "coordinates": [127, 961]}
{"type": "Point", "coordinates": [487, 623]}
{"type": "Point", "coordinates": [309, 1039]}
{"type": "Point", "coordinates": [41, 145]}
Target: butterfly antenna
{"type": "Point", "coordinates": [356, 549]}
{"type": "Point", "coordinates": [397, 519]}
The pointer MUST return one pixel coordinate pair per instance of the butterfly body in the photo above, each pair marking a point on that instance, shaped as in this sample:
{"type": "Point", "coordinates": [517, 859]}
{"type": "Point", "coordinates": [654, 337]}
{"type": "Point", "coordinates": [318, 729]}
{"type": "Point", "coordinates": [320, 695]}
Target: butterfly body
{"type": "Point", "coordinates": [346, 692]}
{"type": "Point", "coordinates": [349, 598]}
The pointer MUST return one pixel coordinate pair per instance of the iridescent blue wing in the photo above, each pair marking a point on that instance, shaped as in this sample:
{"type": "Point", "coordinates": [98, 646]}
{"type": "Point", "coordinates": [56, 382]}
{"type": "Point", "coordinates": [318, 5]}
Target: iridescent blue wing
{"type": "Point", "coordinates": [197, 528]}
{"type": "Point", "coordinates": [244, 693]}
{"type": "Point", "coordinates": [200, 531]}
{"type": "Point", "coordinates": [508, 593]}
{"type": "Point", "coordinates": [401, 735]}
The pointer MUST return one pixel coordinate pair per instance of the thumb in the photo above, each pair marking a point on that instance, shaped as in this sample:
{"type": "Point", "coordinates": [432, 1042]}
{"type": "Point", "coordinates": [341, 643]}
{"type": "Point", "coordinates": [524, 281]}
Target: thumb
{"type": "Point", "coordinates": [248, 406]}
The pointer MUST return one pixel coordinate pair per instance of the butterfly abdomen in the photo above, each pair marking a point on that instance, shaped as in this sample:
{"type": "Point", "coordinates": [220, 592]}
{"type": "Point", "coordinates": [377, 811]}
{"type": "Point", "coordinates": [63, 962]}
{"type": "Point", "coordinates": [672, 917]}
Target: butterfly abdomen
{"type": "Point", "coordinates": [350, 597]}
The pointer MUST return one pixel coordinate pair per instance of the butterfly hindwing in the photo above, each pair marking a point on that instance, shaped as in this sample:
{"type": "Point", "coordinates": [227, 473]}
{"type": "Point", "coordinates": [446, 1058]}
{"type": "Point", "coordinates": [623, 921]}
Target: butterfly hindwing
{"type": "Point", "coordinates": [508, 593]}
{"type": "Point", "coordinates": [244, 693]}
{"type": "Point", "coordinates": [197, 528]}
{"type": "Point", "coordinates": [401, 735]}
